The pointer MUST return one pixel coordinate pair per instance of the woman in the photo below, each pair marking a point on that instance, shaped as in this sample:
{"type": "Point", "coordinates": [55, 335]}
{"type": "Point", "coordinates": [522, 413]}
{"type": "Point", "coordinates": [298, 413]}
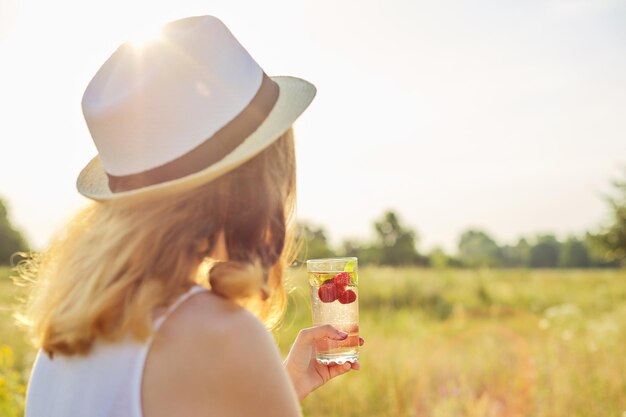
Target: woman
{"type": "Point", "coordinates": [194, 186]}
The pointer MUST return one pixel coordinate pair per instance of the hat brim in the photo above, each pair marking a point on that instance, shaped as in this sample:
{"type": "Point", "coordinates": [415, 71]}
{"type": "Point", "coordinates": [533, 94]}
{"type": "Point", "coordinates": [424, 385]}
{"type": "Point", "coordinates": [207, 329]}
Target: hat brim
{"type": "Point", "coordinates": [294, 97]}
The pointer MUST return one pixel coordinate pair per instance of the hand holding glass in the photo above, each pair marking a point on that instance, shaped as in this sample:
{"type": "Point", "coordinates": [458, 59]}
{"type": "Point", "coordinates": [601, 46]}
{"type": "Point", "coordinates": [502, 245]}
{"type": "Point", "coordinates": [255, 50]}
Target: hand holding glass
{"type": "Point", "coordinates": [334, 300]}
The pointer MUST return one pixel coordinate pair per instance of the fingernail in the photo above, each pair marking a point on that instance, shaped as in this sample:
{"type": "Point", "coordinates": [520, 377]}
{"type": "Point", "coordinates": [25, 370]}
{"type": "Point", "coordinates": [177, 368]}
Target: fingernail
{"type": "Point", "coordinates": [342, 335]}
{"type": "Point", "coordinates": [347, 366]}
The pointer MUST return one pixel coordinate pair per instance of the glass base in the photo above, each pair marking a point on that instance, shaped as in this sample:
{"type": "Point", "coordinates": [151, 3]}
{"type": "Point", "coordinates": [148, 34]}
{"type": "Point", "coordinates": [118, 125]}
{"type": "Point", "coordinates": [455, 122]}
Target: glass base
{"type": "Point", "coordinates": [339, 359]}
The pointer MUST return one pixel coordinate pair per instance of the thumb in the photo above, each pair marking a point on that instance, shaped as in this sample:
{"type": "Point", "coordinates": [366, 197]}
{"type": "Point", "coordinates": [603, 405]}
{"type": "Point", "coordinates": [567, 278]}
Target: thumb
{"type": "Point", "coordinates": [320, 332]}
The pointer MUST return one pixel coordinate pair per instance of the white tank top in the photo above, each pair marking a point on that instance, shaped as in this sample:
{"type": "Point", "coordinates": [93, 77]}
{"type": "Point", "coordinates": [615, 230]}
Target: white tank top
{"type": "Point", "coordinates": [104, 383]}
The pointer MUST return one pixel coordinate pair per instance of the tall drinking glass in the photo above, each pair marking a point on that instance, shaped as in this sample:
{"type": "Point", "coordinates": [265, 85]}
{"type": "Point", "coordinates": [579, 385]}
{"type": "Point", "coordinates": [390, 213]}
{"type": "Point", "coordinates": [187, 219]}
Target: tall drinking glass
{"type": "Point", "coordinates": [334, 300]}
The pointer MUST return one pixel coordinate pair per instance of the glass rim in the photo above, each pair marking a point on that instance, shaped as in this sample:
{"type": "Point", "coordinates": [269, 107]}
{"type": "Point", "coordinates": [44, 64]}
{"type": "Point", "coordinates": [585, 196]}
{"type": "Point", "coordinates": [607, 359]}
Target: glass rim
{"type": "Point", "coordinates": [339, 259]}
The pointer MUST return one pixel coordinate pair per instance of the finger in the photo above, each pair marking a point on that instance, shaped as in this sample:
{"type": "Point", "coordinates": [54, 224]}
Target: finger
{"type": "Point", "coordinates": [356, 366]}
{"type": "Point", "coordinates": [361, 341]}
{"type": "Point", "coordinates": [336, 370]}
{"type": "Point", "coordinates": [321, 331]}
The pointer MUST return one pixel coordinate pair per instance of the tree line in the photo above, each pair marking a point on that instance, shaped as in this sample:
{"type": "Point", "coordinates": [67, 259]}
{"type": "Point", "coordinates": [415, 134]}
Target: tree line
{"type": "Point", "coordinates": [396, 244]}
{"type": "Point", "coordinates": [11, 239]}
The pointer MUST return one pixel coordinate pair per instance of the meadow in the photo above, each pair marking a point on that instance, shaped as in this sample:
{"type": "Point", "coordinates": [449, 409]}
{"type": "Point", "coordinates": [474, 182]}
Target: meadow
{"type": "Point", "coordinates": [447, 343]}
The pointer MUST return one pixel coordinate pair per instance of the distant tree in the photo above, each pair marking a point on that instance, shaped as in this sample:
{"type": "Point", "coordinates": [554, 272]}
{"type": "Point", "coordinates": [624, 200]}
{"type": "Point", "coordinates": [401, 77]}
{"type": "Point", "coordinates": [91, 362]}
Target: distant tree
{"type": "Point", "coordinates": [313, 241]}
{"type": "Point", "coordinates": [613, 237]}
{"type": "Point", "coordinates": [574, 254]}
{"type": "Point", "coordinates": [395, 243]}
{"type": "Point", "coordinates": [597, 253]}
{"type": "Point", "coordinates": [523, 252]}
{"type": "Point", "coordinates": [351, 247]}
{"type": "Point", "coordinates": [545, 253]}
{"type": "Point", "coordinates": [11, 240]}
{"type": "Point", "coordinates": [514, 256]}
{"type": "Point", "coordinates": [478, 249]}
{"type": "Point", "coordinates": [362, 250]}
{"type": "Point", "coordinates": [508, 257]}
{"type": "Point", "coordinates": [437, 258]}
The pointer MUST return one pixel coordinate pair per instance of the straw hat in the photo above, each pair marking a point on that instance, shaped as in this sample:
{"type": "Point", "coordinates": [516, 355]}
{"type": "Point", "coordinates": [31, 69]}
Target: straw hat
{"type": "Point", "coordinates": [182, 110]}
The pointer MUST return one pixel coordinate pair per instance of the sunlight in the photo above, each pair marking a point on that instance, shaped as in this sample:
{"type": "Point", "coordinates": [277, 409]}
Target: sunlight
{"type": "Point", "coordinates": [142, 35]}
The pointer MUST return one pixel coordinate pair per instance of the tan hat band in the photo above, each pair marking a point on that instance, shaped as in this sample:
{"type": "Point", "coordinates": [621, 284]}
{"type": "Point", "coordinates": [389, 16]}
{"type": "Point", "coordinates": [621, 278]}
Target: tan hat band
{"type": "Point", "coordinates": [212, 150]}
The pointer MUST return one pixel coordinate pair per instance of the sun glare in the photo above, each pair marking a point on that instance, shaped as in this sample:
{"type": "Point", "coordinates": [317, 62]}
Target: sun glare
{"type": "Point", "coordinates": [141, 36]}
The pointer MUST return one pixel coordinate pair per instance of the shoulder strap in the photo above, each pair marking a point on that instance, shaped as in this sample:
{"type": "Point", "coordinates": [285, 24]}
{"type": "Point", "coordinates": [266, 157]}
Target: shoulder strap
{"type": "Point", "coordinates": [192, 291]}
{"type": "Point", "coordinates": [138, 372]}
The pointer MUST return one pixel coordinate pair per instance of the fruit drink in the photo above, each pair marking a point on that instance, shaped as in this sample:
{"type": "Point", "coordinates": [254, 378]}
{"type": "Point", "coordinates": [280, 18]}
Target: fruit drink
{"type": "Point", "coordinates": [334, 300]}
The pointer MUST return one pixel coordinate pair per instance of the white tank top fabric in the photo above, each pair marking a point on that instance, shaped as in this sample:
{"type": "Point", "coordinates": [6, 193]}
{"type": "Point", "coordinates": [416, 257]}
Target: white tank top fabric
{"type": "Point", "coordinates": [104, 383]}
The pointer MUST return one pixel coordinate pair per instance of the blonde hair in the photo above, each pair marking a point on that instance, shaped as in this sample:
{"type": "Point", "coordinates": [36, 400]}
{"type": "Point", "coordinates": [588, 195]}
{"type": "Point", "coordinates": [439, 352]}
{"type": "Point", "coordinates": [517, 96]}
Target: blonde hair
{"type": "Point", "coordinates": [116, 262]}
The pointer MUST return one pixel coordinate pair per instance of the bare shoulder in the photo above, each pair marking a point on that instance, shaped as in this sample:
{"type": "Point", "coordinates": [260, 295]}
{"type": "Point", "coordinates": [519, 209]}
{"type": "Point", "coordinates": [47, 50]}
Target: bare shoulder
{"type": "Point", "coordinates": [212, 357]}
{"type": "Point", "coordinates": [206, 315]}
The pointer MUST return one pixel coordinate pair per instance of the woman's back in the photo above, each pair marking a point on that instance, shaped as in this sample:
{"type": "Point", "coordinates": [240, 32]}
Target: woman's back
{"type": "Point", "coordinates": [187, 368]}
{"type": "Point", "coordinates": [105, 383]}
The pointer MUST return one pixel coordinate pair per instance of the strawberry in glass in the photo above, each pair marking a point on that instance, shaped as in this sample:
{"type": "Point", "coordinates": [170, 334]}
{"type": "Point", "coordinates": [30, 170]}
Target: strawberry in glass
{"type": "Point", "coordinates": [334, 300]}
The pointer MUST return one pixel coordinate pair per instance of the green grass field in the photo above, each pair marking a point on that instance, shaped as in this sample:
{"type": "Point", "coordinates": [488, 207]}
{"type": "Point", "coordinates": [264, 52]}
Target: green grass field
{"type": "Point", "coordinates": [443, 343]}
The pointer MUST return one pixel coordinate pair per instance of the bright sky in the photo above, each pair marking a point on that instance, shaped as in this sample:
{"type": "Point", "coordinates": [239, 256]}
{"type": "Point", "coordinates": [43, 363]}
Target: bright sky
{"type": "Point", "coordinates": [506, 115]}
